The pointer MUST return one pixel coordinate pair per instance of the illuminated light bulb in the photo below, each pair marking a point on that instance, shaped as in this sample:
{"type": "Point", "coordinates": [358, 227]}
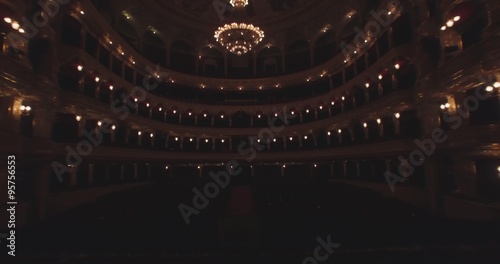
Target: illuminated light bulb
{"type": "Point", "coordinates": [291, 138]}
{"type": "Point", "coordinates": [151, 135]}
{"type": "Point", "coordinates": [397, 66]}
{"type": "Point", "coordinates": [274, 140]}
{"type": "Point", "coordinates": [447, 105]}
{"type": "Point", "coordinates": [79, 67]}
{"type": "Point", "coordinates": [221, 116]}
{"type": "Point", "coordinates": [96, 79]}
{"type": "Point", "coordinates": [333, 103]}
{"type": "Point", "coordinates": [133, 62]}
{"type": "Point", "coordinates": [367, 85]}
{"type": "Point", "coordinates": [113, 127]}
{"type": "Point", "coordinates": [21, 30]}
{"type": "Point", "coordinates": [343, 98]}
{"type": "Point", "coordinates": [159, 109]}
{"type": "Point", "coordinates": [7, 20]}
{"type": "Point", "coordinates": [111, 87]}
{"type": "Point", "coordinates": [191, 140]}
{"type": "Point", "coordinates": [176, 139]}
{"type": "Point", "coordinates": [443, 28]}
{"type": "Point", "coordinates": [22, 107]}
{"type": "Point", "coordinates": [204, 115]}
{"type": "Point", "coordinates": [28, 108]}
{"type": "Point", "coordinates": [258, 140]}
{"type": "Point", "coordinates": [365, 125]}
{"type": "Point", "coordinates": [190, 113]}
{"type": "Point", "coordinates": [496, 85]}
{"type": "Point", "coordinates": [81, 12]}
{"type": "Point", "coordinates": [174, 111]}
{"type": "Point", "coordinates": [15, 25]}
{"type": "Point", "coordinates": [450, 23]}
{"type": "Point", "coordinates": [489, 88]}
{"type": "Point", "coordinates": [166, 167]}
{"type": "Point", "coordinates": [329, 133]}
{"type": "Point", "coordinates": [379, 121]}
{"type": "Point", "coordinates": [222, 140]}
{"type": "Point", "coordinates": [275, 114]}
{"type": "Point", "coordinates": [397, 115]}
{"type": "Point", "coordinates": [99, 123]}
{"type": "Point", "coordinates": [320, 107]}
{"type": "Point", "coordinates": [139, 133]}
{"type": "Point", "coordinates": [315, 165]}
{"type": "Point", "coordinates": [443, 107]}
{"type": "Point", "coordinates": [111, 42]}
{"type": "Point", "coordinates": [78, 118]}
{"type": "Point", "coordinates": [305, 137]}
{"type": "Point", "coordinates": [206, 140]}
{"type": "Point", "coordinates": [135, 100]}
{"type": "Point", "coordinates": [123, 53]}
{"type": "Point", "coordinates": [389, 13]}
{"type": "Point", "coordinates": [147, 105]}
{"type": "Point", "coordinates": [498, 169]}
{"type": "Point", "coordinates": [380, 76]}
{"type": "Point", "coordinates": [340, 131]}
{"type": "Point", "coordinates": [456, 18]}
{"type": "Point", "coordinates": [258, 116]}
{"type": "Point", "coordinates": [293, 112]}
{"type": "Point", "coordinates": [307, 111]}
{"type": "Point", "coordinates": [199, 167]}
{"type": "Point", "coordinates": [284, 166]}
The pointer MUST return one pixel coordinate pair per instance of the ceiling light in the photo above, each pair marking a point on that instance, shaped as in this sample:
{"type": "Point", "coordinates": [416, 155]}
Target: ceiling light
{"type": "Point", "coordinates": [365, 125]}
{"type": "Point", "coordinates": [81, 12]}
{"type": "Point", "coordinates": [340, 131]}
{"type": "Point", "coordinates": [96, 79]}
{"type": "Point", "coordinates": [489, 88]}
{"type": "Point", "coordinates": [291, 138]}
{"type": "Point", "coordinates": [397, 66]}
{"type": "Point", "coordinates": [99, 123]}
{"type": "Point", "coordinates": [159, 109]}
{"type": "Point", "coordinates": [329, 133]}
{"type": "Point", "coordinates": [222, 140]}
{"type": "Point", "coordinates": [443, 28]}
{"type": "Point", "coordinates": [147, 105]}
{"type": "Point", "coordinates": [78, 118]}
{"type": "Point", "coordinates": [151, 135]}
{"type": "Point", "coordinates": [7, 20]}
{"type": "Point", "coordinates": [139, 133]}
{"type": "Point", "coordinates": [206, 140]}
{"type": "Point", "coordinates": [113, 127]}
{"type": "Point", "coordinates": [397, 115]}
{"type": "Point", "coordinates": [111, 87]}
{"type": "Point", "coordinates": [450, 23]}
{"type": "Point", "coordinates": [79, 67]}
{"type": "Point", "coordinates": [176, 139]}
{"type": "Point", "coordinates": [496, 85]}
{"type": "Point", "coordinates": [442, 107]}
{"type": "Point", "coordinates": [305, 137]}
{"type": "Point", "coordinates": [456, 18]}
{"type": "Point", "coordinates": [447, 105]}
{"type": "Point", "coordinates": [21, 30]}
{"type": "Point", "coordinates": [379, 121]}
{"type": "Point", "coordinates": [248, 37]}
{"type": "Point", "coordinates": [174, 111]}
{"type": "Point", "coordinates": [380, 76]}
{"type": "Point", "coordinates": [111, 42]}
{"type": "Point", "coordinates": [15, 25]}
{"type": "Point", "coordinates": [191, 140]}
{"type": "Point", "coordinates": [367, 85]}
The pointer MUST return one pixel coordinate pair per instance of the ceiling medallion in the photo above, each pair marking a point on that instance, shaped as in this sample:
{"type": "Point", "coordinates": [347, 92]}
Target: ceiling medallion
{"type": "Point", "coordinates": [239, 38]}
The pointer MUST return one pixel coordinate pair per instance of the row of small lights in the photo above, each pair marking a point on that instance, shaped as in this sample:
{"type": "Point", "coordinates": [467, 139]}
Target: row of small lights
{"type": "Point", "coordinates": [14, 24]}
{"type": "Point", "coordinates": [489, 88]}
{"type": "Point", "coordinates": [450, 23]}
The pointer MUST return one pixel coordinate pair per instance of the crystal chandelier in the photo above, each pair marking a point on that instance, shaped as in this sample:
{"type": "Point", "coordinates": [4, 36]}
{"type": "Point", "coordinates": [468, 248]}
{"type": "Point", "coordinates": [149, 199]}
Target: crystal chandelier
{"type": "Point", "coordinates": [239, 38]}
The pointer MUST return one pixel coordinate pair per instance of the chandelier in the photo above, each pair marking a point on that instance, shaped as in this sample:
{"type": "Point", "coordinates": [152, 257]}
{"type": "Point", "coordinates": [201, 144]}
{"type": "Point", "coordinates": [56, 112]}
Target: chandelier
{"type": "Point", "coordinates": [239, 3]}
{"type": "Point", "coordinates": [239, 38]}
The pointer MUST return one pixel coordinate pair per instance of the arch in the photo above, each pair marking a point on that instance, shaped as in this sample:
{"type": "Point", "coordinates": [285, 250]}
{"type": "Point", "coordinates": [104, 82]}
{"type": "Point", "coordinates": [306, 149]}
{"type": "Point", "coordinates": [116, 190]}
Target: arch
{"type": "Point", "coordinates": [269, 61]}
{"type": "Point", "coordinates": [325, 48]}
{"type": "Point", "coordinates": [182, 57]}
{"type": "Point", "coordinates": [211, 62]}
{"type": "Point", "coordinates": [472, 21]}
{"type": "Point", "coordinates": [297, 56]}
{"type": "Point", "coordinates": [127, 31]}
{"type": "Point", "coordinates": [71, 31]}
{"type": "Point", "coordinates": [154, 48]}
